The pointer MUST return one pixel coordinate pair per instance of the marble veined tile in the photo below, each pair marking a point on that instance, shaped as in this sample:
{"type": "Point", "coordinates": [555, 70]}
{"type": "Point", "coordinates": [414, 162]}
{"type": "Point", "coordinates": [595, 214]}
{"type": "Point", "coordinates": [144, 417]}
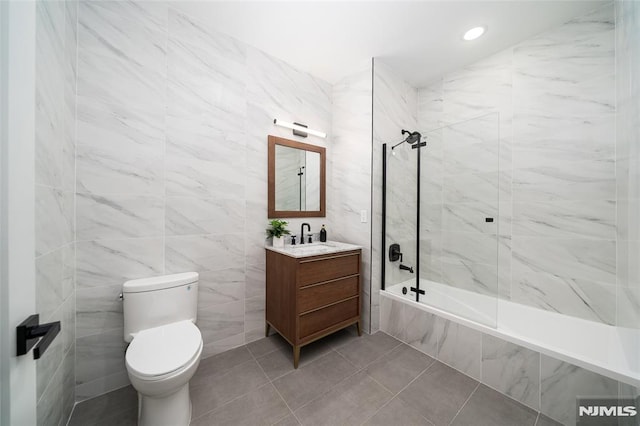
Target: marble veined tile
{"type": "Point", "coordinates": [49, 291]}
{"type": "Point", "coordinates": [112, 262]}
{"type": "Point", "coordinates": [118, 216]}
{"type": "Point", "coordinates": [134, 31]}
{"type": "Point", "coordinates": [203, 138]}
{"type": "Point", "coordinates": [470, 247]}
{"type": "Point", "coordinates": [102, 385]}
{"type": "Point", "coordinates": [116, 80]}
{"type": "Point", "coordinates": [580, 49]}
{"type": "Point", "coordinates": [276, 85]}
{"type": "Point", "coordinates": [461, 348]}
{"type": "Point", "coordinates": [98, 310]}
{"type": "Point", "coordinates": [475, 158]}
{"type": "Point", "coordinates": [512, 369]}
{"type": "Point", "coordinates": [185, 28]}
{"type": "Point", "coordinates": [560, 218]}
{"type": "Point", "coordinates": [120, 126]}
{"type": "Point", "coordinates": [628, 308]}
{"type": "Point", "coordinates": [49, 407]}
{"type": "Point", "coordinates": [561, 383]}
{"type": "Point", "coordinates": [49, 124]}
{"type": "Point", "coordinates": [200, 178]}
{"type": "Point", "coordinates": [470, 217]}
{"type": "Point", "coordinates": [570, 296]}
{"type": "Point", "coordinates": [192, 64]}
{"type": "Point", "coordinates": [471, 187]}
{"type": "Point", "coordinates": [221, 286]}
{"type": "Point", "coordinates": [430, 107]}
{"type": "Point", "coordinates": [221, 322]}
{"type": "Point", "coordinates": [103, 170]}
{"type": "Point", "coordinates": [476, 277]}
{"type": "Point", "coordinates": [568, 138]}
{"type": "Point", "coordinates": [593, 260]}
{"type": "Point", "coordinates": [255, 281]}
{"type": "Point", "coordinates": [204, 252]}
{"type": "Point", "coordinates": [576, 180]}
{"type": "Point", "coordinates": [482, 87]}
{"type": "Point", "coordinates": [191, 215]}
{"type": "Point", "coordinates": [53, 219]}
{"type": "Point", "coordinates": [628, 269]}
{"type": "Point", "coordinates": [100, 355]}
{"type": "Point", "coordinates": [592, 98]}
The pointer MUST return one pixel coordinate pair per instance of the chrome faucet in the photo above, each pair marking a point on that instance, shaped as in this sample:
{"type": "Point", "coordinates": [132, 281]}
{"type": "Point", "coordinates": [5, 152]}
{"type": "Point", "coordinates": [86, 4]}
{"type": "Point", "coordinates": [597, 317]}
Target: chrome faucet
{"type": "Point", "coordinates": [302, 231]}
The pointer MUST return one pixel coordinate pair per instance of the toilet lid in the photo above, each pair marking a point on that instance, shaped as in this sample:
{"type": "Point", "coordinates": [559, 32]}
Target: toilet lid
{"type": "Point", "coordinates": [162, 350]}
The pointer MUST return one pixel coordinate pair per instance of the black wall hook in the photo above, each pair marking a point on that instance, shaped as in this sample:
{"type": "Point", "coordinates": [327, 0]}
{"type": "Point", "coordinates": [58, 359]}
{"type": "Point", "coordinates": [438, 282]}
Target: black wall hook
{"type": "Point", "coordinates": [30, 330]}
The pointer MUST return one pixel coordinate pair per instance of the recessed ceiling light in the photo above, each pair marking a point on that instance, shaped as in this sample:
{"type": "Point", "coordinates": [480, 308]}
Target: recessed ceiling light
{"type": "Point", "coordinates": [474, 33]}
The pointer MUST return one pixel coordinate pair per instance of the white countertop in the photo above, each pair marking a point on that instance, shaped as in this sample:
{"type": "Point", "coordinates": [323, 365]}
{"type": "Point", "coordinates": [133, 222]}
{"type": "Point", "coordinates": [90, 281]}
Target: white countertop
{"type": "Point", "coordinates": [314, 249]}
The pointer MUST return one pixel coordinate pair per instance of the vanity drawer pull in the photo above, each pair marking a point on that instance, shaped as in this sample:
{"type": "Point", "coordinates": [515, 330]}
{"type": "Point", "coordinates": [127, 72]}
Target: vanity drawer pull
{"type": "Point", "coordinates": [318, 295]}
{"type": "Point", "coordinates": [328, 268]}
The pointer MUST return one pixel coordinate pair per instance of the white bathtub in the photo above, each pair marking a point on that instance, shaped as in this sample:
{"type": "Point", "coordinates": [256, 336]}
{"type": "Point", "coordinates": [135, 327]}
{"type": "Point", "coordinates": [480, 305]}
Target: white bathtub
{"type": "Point", "coordinates": [611, 351]}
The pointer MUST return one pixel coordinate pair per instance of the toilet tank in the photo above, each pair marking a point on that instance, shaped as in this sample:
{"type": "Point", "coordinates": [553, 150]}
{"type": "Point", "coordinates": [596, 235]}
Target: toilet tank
{"type": "Point", "coordinates": [152, 302]}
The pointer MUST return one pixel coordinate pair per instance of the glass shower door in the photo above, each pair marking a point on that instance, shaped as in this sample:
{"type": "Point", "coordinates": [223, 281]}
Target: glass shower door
{"type": "Point", "coordinates": [459, 199]}
{"type": "Point", "coordinates": [401, 218]}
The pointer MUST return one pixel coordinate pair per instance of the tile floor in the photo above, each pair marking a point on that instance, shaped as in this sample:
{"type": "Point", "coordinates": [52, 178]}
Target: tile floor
{"type": "Point", "coordinates": [342, 380]}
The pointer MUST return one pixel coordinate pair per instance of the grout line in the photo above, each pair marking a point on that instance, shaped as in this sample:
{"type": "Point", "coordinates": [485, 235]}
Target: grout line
{"type": "Point", "coordinates": [399, 392]}
{"type": "Point", "coordinates": [465, 403]}
{"type": "Point", "coordinates": [537, 419]}
{"type": "Point", "coordinates": [356, 371]}
{"type": "Point", "coordinates": [239, 396]}
{"type": "Point", "coordinates": [276, 389]}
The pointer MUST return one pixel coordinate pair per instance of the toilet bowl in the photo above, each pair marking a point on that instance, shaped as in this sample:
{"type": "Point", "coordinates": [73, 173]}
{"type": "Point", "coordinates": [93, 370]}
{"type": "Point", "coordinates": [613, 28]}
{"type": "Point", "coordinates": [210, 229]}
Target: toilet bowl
{"type": "Point", "coordinates": [160, 362]}
{"type": "Point", "coordinates": [165, 345]}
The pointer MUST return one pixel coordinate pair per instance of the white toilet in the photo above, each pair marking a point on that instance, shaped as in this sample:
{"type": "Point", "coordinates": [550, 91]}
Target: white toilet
{"type": "Point", "coordinates": [166, 345]}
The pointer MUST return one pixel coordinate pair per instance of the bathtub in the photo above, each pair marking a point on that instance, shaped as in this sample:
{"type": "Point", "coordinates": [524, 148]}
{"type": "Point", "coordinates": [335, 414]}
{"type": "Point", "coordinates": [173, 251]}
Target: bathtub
{"type": "Point", "coordinates": [608, 350]}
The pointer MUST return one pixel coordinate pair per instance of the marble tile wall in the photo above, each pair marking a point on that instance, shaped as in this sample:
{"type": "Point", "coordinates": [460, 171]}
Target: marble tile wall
{"type": "Point", "coordinates": [628, 163]}
{"type": "Point", "coordinates": [546, 169]}
{"type": "Point", "coordinates": [541, 382]}
{"type": "Point", "coordinates": [394, 109]}
{"type": "Point", "coordinates": [351, 156]}
{"type": "Point", "coordinates": [173, 119]}
{"type": "Point", "coordinates": [54, 192]}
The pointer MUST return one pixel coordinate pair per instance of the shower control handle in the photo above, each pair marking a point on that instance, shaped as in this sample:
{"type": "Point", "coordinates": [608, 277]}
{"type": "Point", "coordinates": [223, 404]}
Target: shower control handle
{"type": "Point", "coordinates": [394, 253]}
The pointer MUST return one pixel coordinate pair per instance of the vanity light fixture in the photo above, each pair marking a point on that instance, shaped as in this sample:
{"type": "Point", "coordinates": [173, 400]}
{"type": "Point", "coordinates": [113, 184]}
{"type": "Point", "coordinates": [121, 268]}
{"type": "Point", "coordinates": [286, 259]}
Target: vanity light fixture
{"type": "Point", "coordinates": [299, 129]}
{"type": "Point", "coordinates": [474, 33]}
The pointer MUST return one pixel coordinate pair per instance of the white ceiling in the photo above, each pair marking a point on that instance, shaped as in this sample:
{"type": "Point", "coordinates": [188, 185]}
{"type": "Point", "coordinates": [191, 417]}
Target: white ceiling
{"type": "Point", "coordinates": [421, 39]}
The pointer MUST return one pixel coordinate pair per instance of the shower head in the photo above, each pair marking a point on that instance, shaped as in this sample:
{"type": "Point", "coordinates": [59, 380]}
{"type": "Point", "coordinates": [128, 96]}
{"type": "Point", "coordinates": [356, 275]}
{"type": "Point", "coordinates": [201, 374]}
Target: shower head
{"type": "Point", "coordinates": [412, 138]}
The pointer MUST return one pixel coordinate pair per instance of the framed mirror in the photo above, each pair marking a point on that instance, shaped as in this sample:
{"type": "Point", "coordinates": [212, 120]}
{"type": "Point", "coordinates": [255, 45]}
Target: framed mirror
{"type": "Point", "coordinates": [296, 179]}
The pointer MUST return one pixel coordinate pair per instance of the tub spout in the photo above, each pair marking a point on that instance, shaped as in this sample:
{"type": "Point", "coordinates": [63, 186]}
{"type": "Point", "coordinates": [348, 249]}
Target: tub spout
{"type": "Point", "coordinates": [406, 268]}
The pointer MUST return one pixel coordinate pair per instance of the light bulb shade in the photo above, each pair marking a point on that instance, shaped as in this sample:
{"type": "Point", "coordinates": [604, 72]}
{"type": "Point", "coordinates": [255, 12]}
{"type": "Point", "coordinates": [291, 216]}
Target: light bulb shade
{"type": "Point", "coordinates": [299, 128]}
{"type": "Point", "coordinates": [474, 33]}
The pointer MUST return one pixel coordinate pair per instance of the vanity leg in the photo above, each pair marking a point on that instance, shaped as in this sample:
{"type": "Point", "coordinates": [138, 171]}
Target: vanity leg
{"type": "Point", "coordinates": [267, 327]}
{"type": "Point", "coordinates": [296, 356]}
{"type": "Point", "coordinates": [359, 328]}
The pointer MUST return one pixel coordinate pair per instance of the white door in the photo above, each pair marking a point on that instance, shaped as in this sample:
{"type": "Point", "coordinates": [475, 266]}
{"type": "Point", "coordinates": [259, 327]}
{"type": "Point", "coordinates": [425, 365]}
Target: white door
{"type": "Point", "coordinates": [17, 243]}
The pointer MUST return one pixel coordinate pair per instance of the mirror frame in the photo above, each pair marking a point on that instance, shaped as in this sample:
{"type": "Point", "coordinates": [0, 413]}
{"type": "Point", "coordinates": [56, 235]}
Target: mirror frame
{"type": "Point", "coordinates": [272, 212]}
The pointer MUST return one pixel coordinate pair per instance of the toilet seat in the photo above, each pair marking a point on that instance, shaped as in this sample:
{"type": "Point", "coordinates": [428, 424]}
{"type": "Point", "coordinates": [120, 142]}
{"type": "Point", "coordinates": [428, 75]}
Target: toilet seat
{"type": "Point", "coordinates": [159, 352]}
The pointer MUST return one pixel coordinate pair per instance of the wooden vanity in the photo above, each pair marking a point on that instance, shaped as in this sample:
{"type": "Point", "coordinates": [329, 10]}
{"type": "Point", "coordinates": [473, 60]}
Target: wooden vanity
{"type": "Point", "coordinates": [312, 293]}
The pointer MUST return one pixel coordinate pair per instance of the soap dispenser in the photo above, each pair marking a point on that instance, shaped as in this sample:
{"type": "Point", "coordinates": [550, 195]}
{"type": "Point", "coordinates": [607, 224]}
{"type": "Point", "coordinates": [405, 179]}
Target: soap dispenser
{"type": "Point", "coordinates": [323, 234]}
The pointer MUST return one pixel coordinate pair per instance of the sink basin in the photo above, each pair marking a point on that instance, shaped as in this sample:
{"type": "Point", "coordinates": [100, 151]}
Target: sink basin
{"type": "Point", "coordinates": [313, 249]}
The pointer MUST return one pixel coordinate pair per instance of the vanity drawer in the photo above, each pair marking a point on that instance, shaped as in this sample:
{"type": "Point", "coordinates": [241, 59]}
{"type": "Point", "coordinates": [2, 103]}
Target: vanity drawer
{"type": "Point", "coordinates": [315, 296]}
{"type": "Point", "coordinates": [327, 268]}
{"type": "Point", "coordinates": [326, 317]}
